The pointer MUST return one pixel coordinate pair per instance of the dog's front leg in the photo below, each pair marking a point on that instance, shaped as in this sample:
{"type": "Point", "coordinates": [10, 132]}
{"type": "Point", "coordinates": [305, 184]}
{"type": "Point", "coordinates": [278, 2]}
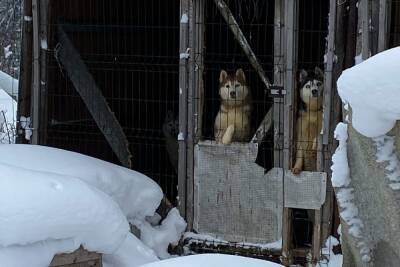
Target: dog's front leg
{"type": "Point", "coordinates": [227, 138]}
{"type": "Point", "coordinates": [298, 165]}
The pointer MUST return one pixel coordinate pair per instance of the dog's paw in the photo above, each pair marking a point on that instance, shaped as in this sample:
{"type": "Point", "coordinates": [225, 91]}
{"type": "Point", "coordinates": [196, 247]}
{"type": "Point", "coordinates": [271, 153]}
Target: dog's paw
{"type": "Point", "coordinates": [227, 138]}
{"type": "Point", "coordinates": [296, 171]}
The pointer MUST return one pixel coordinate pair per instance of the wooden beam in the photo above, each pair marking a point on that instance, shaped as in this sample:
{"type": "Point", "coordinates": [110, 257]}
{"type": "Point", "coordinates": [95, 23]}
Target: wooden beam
{"type": "Point", "coordinates": [383, 26]}
{"type": "Point", "coordinates": [365, 29]}
{"type": "Point", "coordinates": [237, 32]}
{"type": "Point", "coordinates": [44, 15]}
{"type": "Point", "coordinates": [279, 42]}
{"type": "Point", "coordinates": [264, 127]}
{"type": "Point", "coordinates": [35, 98]}
{"type": "Point", "coordinates": [80, 255]}
{"type": "Point", "coordinates": [183, 99]}
{"type": "Point", "coordinates": [94, 100]}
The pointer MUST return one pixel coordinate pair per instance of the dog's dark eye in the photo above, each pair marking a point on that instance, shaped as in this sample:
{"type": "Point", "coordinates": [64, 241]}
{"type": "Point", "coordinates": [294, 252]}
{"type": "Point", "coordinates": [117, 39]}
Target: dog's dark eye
{"type": "Point", "coordinates": [227, 86]}
{"type": "Point", "coordinates": [237, 85]}
{"type": "Point", "coordinates": [308, 86]}
{"type": "Point", "coordinates": [319, 83]}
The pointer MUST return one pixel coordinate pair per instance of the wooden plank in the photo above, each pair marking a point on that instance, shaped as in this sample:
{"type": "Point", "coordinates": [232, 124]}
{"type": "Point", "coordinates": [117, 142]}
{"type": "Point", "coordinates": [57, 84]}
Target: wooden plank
{"type": "Point", "coordinates": [25, 81]}
{"type": "Point", "coordinates": [316, 243]}
{"type": "Point", "coordinates": [287, 236]}
{"type": "Point", "coordinates": [35, 102]}
{"type": "Point", "coordinates": [237, 32]}
{"type": "Point", "coordinates": [264, 127]}
{"type": "Point", "coordinates": [94, 100]}
{"type": "Point", "coordinates": [44, 14]}
{"type": "Point", "coordinates": [383, 26]}
{"type": "Point", "coordinates": [79, 256]}
{"type": "Point", "coordinates": [183, 88]}
{"type": "Point", "coordinates": [365, 29]}
{"type": "Point", "coordinates": [278, 80]}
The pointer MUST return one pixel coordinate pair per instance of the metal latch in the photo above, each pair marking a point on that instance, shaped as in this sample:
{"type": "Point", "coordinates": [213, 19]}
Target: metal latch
{"type": "Point", "coordinates": [277, 91]}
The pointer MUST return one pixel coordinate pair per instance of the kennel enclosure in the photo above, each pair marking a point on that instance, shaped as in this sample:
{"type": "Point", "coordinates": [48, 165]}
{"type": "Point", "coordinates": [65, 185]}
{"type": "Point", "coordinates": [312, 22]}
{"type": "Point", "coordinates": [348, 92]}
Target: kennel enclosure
{"type": "Point", "coordinates": [139, 61]}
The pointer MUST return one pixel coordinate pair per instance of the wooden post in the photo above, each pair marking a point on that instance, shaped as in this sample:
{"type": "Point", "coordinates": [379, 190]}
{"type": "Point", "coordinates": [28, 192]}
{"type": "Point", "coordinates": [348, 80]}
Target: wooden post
{"type": "Point", "coordinates": [383, 26]}
{"type": "Point", "coordinates": [44, 15]}
{"type": "Point", "coordinates": [25, 81]}
{"type": "Point", "coordinates": [183, 99]}
{"type": "Point", "coordinates": [365, 29]}
{"type": "Point", "coordinates": [278, 111]}
{"type": "Point", "coordinates": [93, 98]}
{"type": "Point", "coordinates": [35, 113]}
{"type": "Point", "coordinates": [290, 22]}
{"type": "Point", "coordinates": [233, 25]}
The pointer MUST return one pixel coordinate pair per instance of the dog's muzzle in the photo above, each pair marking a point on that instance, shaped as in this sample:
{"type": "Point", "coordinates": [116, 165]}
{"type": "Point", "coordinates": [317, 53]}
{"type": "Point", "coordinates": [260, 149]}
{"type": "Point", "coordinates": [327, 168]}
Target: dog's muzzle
{"type": "Point", "coordinates": [232, 94]}
{"type": "Point", "coordinates": [314, 92]}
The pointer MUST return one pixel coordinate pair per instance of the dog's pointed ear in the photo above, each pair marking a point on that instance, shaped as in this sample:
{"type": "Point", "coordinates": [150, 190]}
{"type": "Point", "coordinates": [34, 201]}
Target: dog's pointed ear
{"type": "Point", "coordinates": [240, 76]}
{"type": "Point", "coordinates": [223, 76]}
{"type": "Point", "coordinates": [302, 75]}
{"type": "Point", "coordinates": [169, 116]}
{"type": "Point", "coordinates": [319, 73]}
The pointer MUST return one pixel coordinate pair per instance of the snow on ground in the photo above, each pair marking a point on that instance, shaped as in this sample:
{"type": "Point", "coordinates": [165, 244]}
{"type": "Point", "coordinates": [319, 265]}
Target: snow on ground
{"type": "Point", "coordinates": [386, 154]}
{"type": "Point", "coordinates": [8, 114]}
{"type": "Point", "coordinates": [372, 89]}
{"type": "Point", "coordinates": [344, 192]}
{"type": "Point", "coordinates": [44, 213]}
{"type": "Point", "coordinates": [212, 260]}
{"type": "Point", "coordinates": [136, 194]}
{"type": "Point", "coordinates": [331, 259]}
{"type": "Point", "coordinates": [159, 237]}
{"type": "Point", "coordinates": [209, 240]}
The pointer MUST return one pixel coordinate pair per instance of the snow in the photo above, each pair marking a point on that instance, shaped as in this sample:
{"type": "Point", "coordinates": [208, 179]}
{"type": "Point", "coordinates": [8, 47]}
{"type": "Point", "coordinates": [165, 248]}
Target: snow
{"type": "Point", "coordinates": [372, 89]}
{"type": "Point", "coordinates": [7, 52]}
{"type": "Point", "coordinates": [184, 18]}
{"type": "Point", "coordinates": [159, 237]}
{"type": "Point", "coordinates": [185, 55]}
{"type": "Point", "coordinates": [212, 260]}
{"type": "Point", "coordinates": [136, 194]}
{"type": "Point", "coordinates": [386, 154]}
{"type": "Point", "coordinates": [8, 113]}
{"type": "Point", "coordinates": [43, 44]}
{"type": "Point", "coordinates": [332, 259]}
{"type": "Point", "coordinates": [25, 123]}
{"type": "Point", "coordinates": [340, 167]}
{"type": "Point", "coordinates": [9, 85]}
{"type": "Point", "coordinates": [208, 240]}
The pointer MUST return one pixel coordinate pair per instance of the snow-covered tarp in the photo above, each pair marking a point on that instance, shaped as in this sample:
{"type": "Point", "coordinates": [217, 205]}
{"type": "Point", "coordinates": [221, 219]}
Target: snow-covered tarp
{"type": "Point", "coordinates": [372, 88]}
{"type": "Point", "coordinates": [212, 260]}
{"type": "Point", "coordinates": [9, 84]}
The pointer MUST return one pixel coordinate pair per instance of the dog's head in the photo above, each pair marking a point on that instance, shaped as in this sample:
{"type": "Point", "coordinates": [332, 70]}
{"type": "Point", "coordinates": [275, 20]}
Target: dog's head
{"type": "Point", "coordinates": [311, 86]}
{"type": "Point", "coordinates": [170, 125]}
{"type": "Point", "coordinates": [233, 88]}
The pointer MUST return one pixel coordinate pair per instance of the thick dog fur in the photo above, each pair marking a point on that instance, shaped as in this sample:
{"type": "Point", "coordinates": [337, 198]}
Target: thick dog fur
{"type": "Point", "coordinates": [309, 121]}
{"type": "Point", "coordinates": [232, 123]}
{"type": "Point", "coordinates": [170, 130]}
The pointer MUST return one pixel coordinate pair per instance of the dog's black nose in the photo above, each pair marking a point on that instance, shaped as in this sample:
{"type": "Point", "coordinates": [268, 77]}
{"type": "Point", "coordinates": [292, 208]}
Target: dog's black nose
{"type": "Point", "coordinates": [233, 94]}
{"type": "Point", "coordinates": [314, 92]}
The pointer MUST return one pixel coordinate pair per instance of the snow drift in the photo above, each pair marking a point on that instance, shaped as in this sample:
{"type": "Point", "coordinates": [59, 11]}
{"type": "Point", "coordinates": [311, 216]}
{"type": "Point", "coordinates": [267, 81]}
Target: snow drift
{"type": "Point", "coordinates": [372, 88]}
{"type": "Point", "coordinates": [136, 194]}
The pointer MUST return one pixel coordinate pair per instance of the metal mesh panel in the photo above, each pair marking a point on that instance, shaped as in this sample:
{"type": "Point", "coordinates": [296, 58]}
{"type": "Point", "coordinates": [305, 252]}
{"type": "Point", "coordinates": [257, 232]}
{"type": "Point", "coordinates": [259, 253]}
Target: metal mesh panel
{"type": "Point", "coordinates": [235, 199]}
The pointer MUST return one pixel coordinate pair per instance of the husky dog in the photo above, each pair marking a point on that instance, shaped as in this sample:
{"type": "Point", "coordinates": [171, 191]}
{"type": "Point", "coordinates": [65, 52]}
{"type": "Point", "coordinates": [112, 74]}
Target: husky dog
{"type": "Point", "coordinates": [170, 130]}
{"type": "Point", "coordinates": [309, 120]}
{"type": "Point", "coordinates": [233, 119]}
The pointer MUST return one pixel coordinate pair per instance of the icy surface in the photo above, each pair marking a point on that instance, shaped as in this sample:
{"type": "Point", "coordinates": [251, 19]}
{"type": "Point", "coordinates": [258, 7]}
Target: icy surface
{"type": "Point", "coordinates": [372, 88]}
{"type": "Point", "coordinates": [136, 194]}
{"type": "Point", "coordinates": [212, 260]}
{"type": "Point", "coordinates": [159, 237]}
{"type": "Point", "coordinates": [340, 166]}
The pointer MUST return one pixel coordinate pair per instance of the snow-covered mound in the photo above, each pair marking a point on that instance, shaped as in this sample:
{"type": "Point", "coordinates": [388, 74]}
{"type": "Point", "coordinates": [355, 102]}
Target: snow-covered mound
{"type": "Point", "coordinates": [136, 194]}
{"type": "Point", "coordinates": [372, 88]}
{"type": "Point", "coordinates": [44, 213]}
{"type": "Point", "coordinates": [212, 260]}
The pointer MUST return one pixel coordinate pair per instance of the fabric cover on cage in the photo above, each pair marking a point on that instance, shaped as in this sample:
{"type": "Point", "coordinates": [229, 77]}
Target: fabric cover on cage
{"type": "Point", "coordinates": [234, 199]}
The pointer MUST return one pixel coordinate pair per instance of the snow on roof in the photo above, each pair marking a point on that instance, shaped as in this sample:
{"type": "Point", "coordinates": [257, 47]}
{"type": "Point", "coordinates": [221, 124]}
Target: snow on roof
{"type": "Point", "coordinates": [372, 88]}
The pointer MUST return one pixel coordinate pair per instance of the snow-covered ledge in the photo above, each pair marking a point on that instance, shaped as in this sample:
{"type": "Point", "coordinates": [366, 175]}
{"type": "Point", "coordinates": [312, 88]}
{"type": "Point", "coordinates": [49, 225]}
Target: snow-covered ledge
{"type": "Point", "coordinates": [371, 93]}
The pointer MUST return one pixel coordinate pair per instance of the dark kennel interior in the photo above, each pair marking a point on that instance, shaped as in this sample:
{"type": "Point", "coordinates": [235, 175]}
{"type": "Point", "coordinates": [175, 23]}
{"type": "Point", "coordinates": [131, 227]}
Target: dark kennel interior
{"type": "Point", "coordinates": [394, 35]}
{"type": "Point", "coordinates": [131, 48]}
